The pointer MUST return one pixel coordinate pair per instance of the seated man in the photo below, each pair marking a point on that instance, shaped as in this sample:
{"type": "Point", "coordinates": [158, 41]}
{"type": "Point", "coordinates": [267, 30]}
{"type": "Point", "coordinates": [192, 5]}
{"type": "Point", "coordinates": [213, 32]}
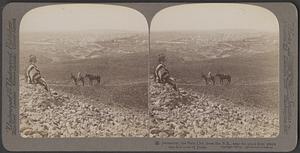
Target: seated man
{"type": "Point", "coordinates": [209, 75]}
{"type": "Point", "coordinates": [33, 74]}
{"type": "Point", "coordinates": [159, 67]}
{"type": "Point", "coordinates": [32, 70]}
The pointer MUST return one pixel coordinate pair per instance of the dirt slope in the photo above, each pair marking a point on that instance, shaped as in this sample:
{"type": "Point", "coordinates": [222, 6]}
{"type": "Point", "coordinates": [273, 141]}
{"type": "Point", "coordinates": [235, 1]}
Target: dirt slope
{"type": "Point", "coordinates": [194, 114]}
{"type": "Point", "coordinates": [198, 115]}
{"type": "Point", "coordinates": [67, 115]}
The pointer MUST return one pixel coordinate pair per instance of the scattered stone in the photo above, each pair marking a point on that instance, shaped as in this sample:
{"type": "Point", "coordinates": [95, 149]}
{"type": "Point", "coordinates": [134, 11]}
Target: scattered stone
{"type": "Point", "coordinates": [199, 116]}
{"type": "Point", "coordinates": [67, 115]}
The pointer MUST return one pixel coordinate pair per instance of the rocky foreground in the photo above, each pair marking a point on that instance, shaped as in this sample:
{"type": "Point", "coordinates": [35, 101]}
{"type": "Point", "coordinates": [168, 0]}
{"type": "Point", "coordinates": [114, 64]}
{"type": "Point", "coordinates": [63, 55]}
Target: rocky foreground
{"type": "Point", "coordinates": [191, 115]}
{"type": "Point", "coordinates": [195, 115]}
{"type": "Point", "coordinates": [66, 115]}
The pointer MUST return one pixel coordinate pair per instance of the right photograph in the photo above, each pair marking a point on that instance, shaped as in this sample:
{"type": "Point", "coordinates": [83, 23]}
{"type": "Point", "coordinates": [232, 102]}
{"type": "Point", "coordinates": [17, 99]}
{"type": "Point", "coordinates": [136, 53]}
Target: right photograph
{"type": "Point", "coordinates": [214, 72]}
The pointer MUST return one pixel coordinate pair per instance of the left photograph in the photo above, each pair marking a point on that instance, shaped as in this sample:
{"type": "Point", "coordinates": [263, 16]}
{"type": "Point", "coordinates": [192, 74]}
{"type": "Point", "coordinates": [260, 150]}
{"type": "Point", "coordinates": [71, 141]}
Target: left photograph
{"type": "Point", "coordinates": [83, 72]}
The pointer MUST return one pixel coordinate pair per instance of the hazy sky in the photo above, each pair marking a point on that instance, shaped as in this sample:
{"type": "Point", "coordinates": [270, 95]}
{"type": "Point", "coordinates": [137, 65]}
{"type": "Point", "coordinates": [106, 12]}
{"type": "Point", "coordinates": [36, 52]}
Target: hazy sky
{"type": "Point", "coordinates": [214, 16]}
{"type": "Point", "coordinates": [70, 17]}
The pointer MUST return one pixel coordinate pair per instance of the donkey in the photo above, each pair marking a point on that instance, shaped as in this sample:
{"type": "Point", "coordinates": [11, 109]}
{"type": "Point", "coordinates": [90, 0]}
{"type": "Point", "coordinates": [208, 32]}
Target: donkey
{"type": "Point", "coordinates": [74, 78]}
{"type": "Point", "coordinates": [93, 77]}
{"type": "Point", "coordinates": [78, 78]}
{"type": "Point", "coordinates": [208, 79]}
{"type": "Point", "coordinates": [224, 77]}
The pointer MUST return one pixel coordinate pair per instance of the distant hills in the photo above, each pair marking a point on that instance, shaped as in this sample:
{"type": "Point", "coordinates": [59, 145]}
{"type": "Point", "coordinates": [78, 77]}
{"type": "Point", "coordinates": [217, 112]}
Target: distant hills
{"type": "Point", "coordinates": [202, 45]}
{"type": "Point", "coordinates": [178, 46]}
{"type": "Point", "coordinates": [65, 46]}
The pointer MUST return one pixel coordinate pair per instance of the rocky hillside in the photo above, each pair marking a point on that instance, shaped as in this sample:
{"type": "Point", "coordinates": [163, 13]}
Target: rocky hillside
{"type": "Point", "coordinates": [196, 115]}
{"type": "Point", "coordinates": [191, 115]}
{"type": "Point", "coordinates": [67, 115]}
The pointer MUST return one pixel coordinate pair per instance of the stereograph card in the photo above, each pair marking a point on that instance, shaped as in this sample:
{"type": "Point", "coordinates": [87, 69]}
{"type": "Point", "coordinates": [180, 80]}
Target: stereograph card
{"type": "Point", "coordinates": [150, 77]}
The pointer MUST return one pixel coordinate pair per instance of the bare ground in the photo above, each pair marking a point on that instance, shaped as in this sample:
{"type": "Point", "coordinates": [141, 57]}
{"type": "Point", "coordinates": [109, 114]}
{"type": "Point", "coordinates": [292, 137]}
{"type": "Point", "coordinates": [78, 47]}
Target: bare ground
{"type": "Point", "coordinates": [196, 114]}
{"type": "Point", "coordinates": [68, 115]}
{"type": "Point", "coordinates": [199, 115]}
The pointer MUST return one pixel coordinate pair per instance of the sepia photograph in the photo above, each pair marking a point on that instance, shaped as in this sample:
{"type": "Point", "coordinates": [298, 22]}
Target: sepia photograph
{"type": "Point", "coordinates": [204, 77]}
{"type": "Point", "coordinates": [214, 72]}
{"type": "Point", "coordinates": [83, 72]}
{"type": "Point", "coordinates": [86, 71]}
